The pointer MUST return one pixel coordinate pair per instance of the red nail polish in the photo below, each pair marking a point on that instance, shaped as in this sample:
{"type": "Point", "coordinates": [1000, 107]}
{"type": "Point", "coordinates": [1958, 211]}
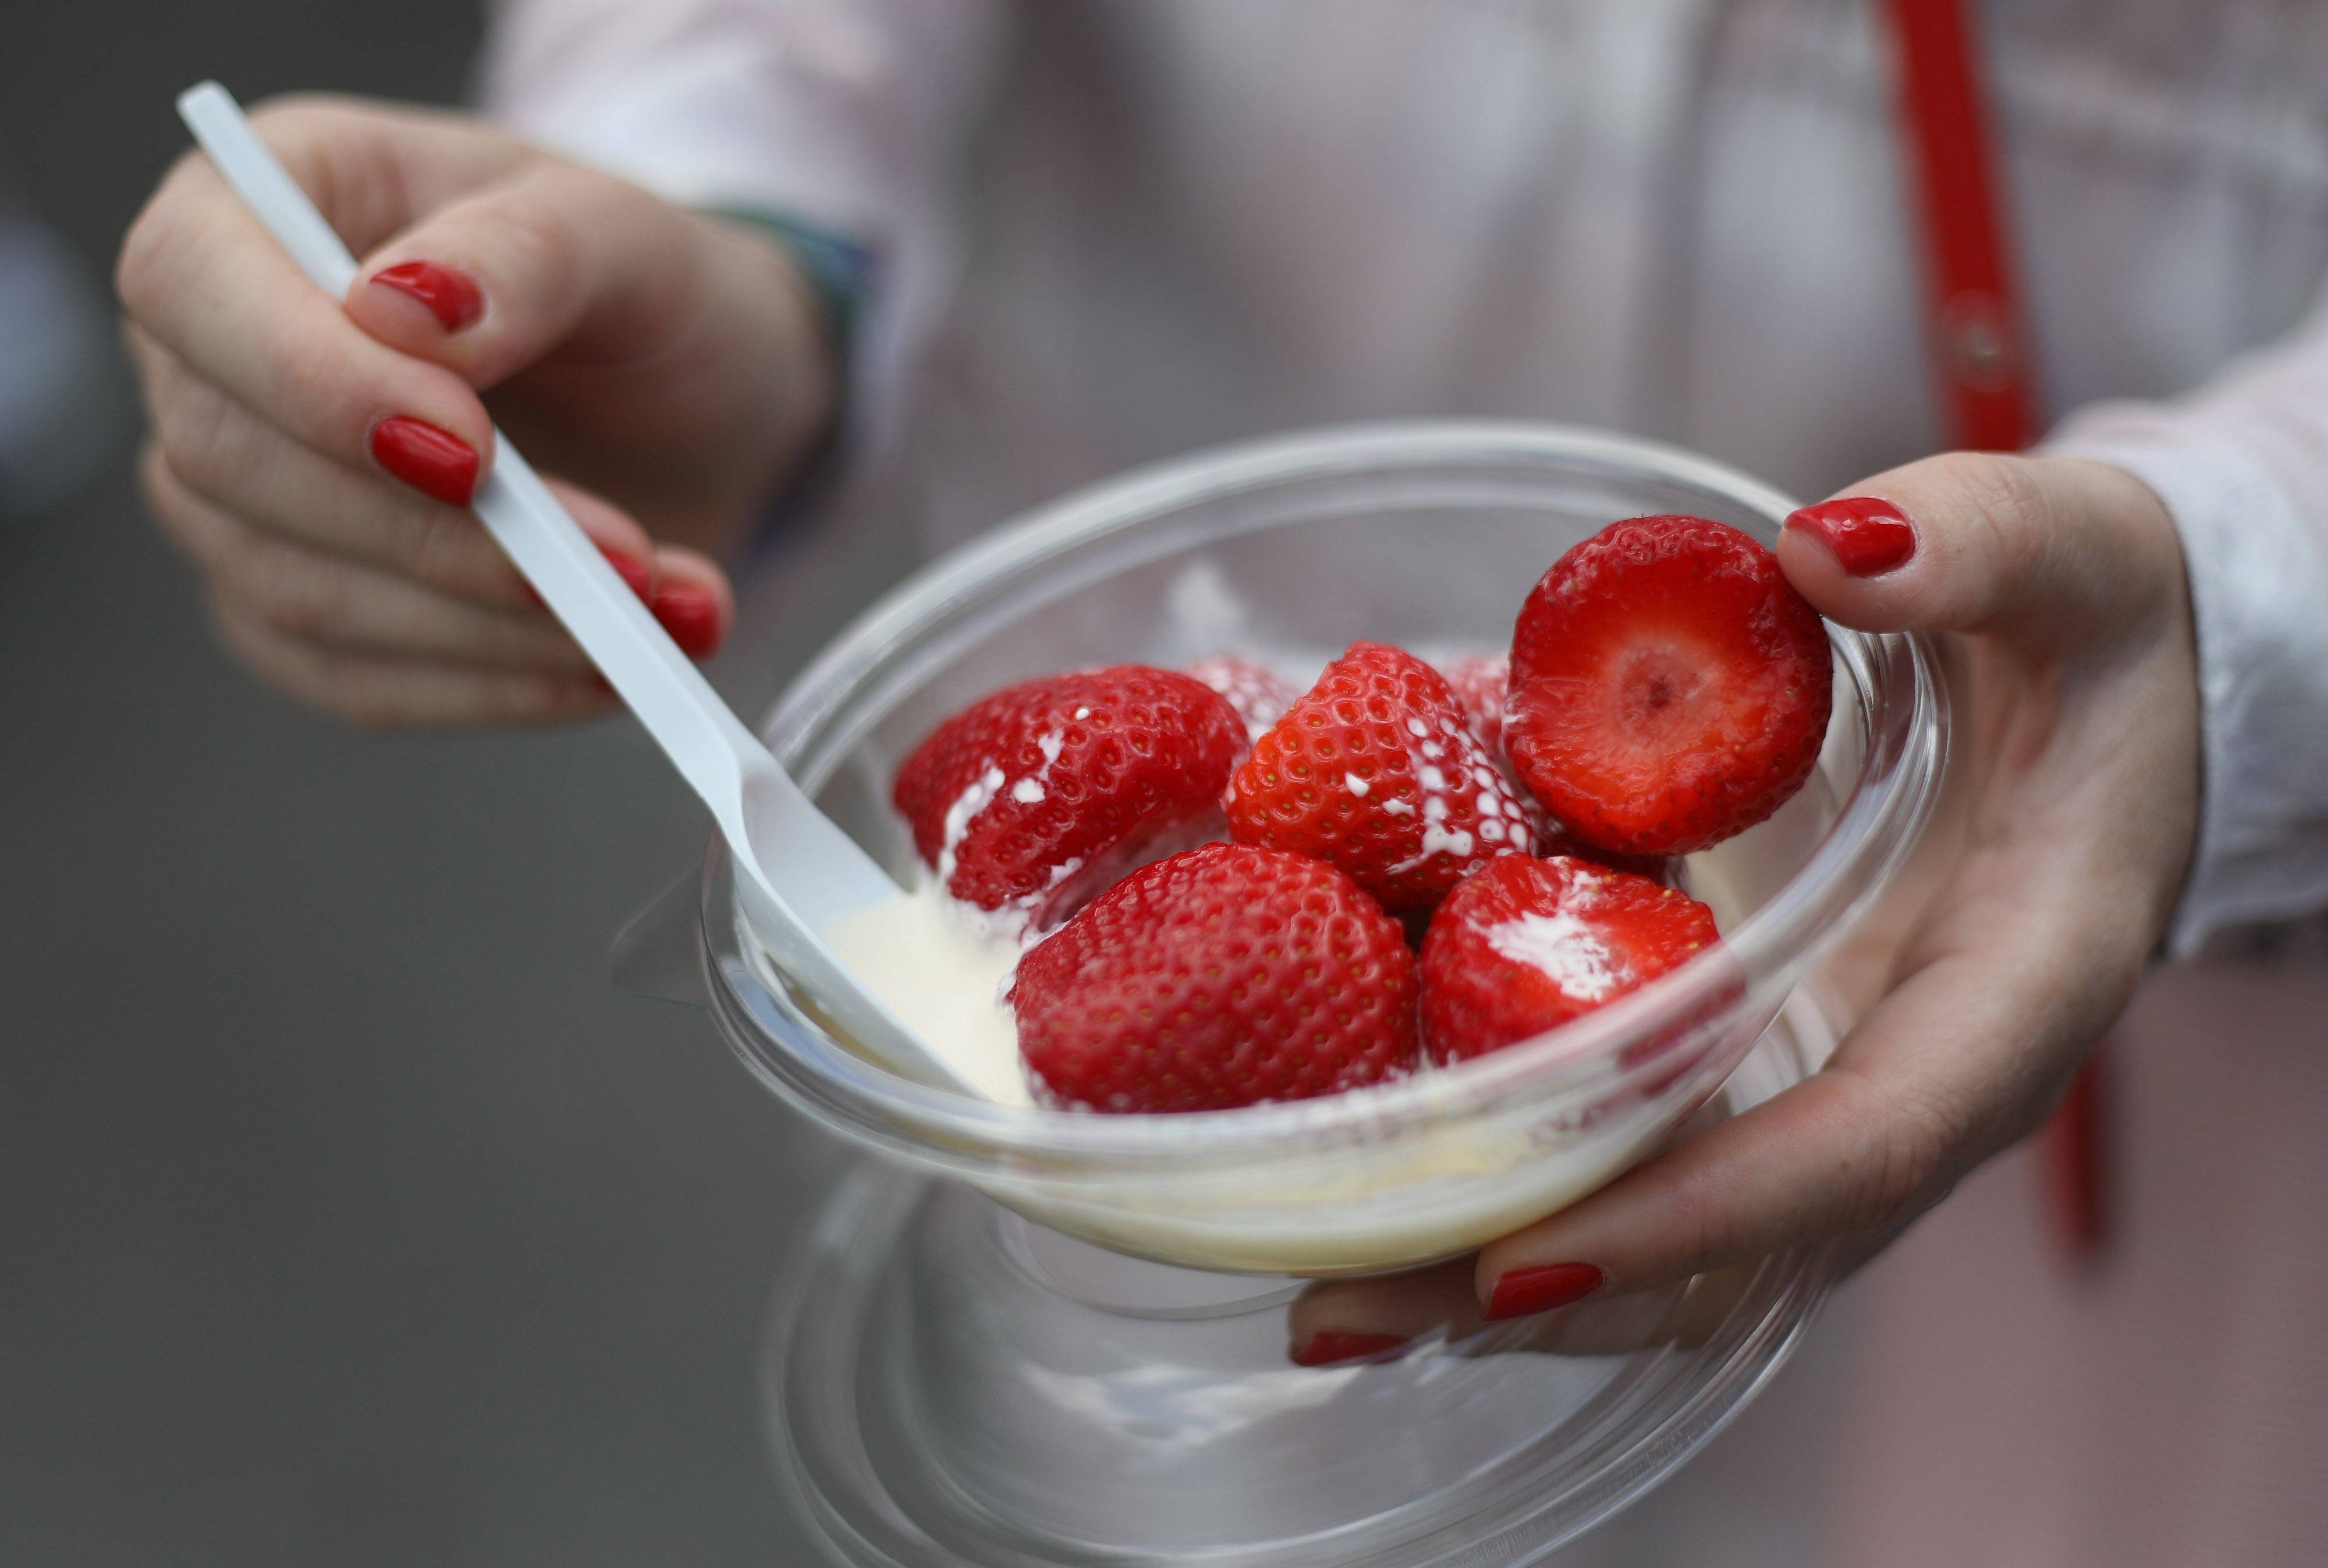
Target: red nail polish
{"type": "Point", "coordinates": [1868, 536]}
{"type": "Point", "coordinates": [629, 568]}
{"type": "Point", "coordinates": [632, 570]}
{"type": "Point", "coordinates": [1524, 1292]}
{"type": "Point", "coordinates": [439, 466]}
{"type": "Point", "coordinates": [452, 296]}
{"type": "Point", "coordinates": [691, 616]}
{"type": "Point", "coordinates": [1332, 1347]}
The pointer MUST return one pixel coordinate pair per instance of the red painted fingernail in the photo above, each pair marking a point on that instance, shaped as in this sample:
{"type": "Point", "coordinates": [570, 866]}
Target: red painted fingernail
{"type": "Point", "coordinates": [632, 570]}
{"type": "Point", "coordinates": [691, 615]}
{"type": "Point", "coordinates": [1332, 1347]}
{"type": "Point", "coordinates": [1524, 1292]}
{"type": "Point", "coordinates": [1868, 536]}
{"type": "Point", "coordinates": [452, 296]}
{"type": "Point", "coordinates": [629, 568]}
{"type": "Point", "coordinates": [440, 466]}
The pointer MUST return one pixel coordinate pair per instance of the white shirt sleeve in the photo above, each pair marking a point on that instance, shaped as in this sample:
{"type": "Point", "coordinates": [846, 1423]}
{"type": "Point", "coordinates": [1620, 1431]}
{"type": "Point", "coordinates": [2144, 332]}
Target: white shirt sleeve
{"type": "Point", "coordinates": [849, 115]}
{"type": "Point", "coordinates": [2241, 463]}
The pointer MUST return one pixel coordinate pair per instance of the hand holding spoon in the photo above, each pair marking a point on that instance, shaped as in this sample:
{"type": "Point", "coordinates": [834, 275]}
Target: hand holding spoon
{"type": "Point", "coordinates": [795, 872]}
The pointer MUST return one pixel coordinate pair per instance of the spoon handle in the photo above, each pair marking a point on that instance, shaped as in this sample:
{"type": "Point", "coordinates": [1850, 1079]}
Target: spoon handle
{"type": "Point", "coordinates": [759, 809]}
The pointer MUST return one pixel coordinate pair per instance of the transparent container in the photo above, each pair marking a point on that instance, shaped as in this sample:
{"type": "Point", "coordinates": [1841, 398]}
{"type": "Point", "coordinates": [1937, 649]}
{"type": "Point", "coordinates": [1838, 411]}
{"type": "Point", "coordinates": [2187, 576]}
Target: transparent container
{"type": "Point", "coordinates": [1427, 536]}
{"type": "Point", "coordinates": [1020, 1337]}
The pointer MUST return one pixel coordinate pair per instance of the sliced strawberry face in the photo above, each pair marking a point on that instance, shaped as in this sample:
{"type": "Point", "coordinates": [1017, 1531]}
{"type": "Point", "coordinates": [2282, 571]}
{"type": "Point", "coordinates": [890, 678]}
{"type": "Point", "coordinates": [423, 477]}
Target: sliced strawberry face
{"type": "Point", "coordinates": [1259, 693]}
{"type": "Point", "coordinates": [1481, 681]}
{"type": "Point", "coordinates": [1375, 770]}
{"type": "Point", "coordinates": [1669, 687]}
{"type": "Point", "coordinates": [1527, 945]}
{"type": "Point", "coordinates": [1221, 977]}
{"type": "Point", "coordinates": [1030, 801]}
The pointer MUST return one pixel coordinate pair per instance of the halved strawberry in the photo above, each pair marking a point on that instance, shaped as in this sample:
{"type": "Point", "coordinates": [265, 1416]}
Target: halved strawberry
{"type": "Point", "coordinates": [1527, 945]}
{"type": "Point", "coordinates": [1377, 771]}
{"type": "Point", "coordinates": [1034, 798]}
{"type": "Point", "coordinates": [1258, 693]}
{"type": "Point", "coordinates": [1223, 977]}
{"type": "Point", "coordinates": [1669, 687]}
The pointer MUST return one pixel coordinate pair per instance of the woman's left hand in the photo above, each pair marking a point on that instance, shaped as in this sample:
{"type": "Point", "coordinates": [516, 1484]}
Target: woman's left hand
{"type": "Point", "coordinates": [2059, 582]}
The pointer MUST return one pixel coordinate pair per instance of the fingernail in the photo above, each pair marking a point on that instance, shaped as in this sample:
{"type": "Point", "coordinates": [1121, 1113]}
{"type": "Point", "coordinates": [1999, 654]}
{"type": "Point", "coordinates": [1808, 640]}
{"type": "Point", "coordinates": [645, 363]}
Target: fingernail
{"type": "Point", "coordinates": [440, 466]}
{"type": "Point", "coordinates": [629, 568]}
{"type": "Point", "coordinates": [452, 297]}
{"type": "Point", "coordinates": [1525, 1291]}
{"type": "Point", "coordinates": [1332, 1347]}
{"type": "Point", "coordinates": [691, 615]}
{"type": "Point", "coordinates": [1868, 536]}
{"type": "Point", "coordinates": [632, 570]}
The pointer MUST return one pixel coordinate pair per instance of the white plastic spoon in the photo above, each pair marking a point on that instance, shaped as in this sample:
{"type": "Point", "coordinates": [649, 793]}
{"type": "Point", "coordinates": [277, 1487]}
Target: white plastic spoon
{"type": "Point", "coordinates": [796, 872]}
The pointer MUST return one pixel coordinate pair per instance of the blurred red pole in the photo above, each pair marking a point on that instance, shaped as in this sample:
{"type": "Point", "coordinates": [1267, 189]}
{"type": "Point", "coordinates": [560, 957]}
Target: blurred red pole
{"type": "Point", "coordinates": [1986, 372]}
{"type": "Point", "coordinates": [1979, 339]}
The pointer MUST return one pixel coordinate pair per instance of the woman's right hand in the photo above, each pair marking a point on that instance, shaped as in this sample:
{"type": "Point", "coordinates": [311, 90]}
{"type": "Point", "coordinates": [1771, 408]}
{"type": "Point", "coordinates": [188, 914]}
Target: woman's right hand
{"type": "Point", "coordinates": [315, 458]}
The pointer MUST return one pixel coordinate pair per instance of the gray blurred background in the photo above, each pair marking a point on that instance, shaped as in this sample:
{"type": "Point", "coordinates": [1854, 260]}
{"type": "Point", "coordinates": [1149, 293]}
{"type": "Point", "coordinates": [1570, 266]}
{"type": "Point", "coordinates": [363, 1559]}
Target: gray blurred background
{"type": "Point", "coordinates": [347, 1216]}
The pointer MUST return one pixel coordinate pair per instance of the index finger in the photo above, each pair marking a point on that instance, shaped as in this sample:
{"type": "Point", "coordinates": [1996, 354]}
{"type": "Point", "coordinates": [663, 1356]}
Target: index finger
{"type": "Point", "coordinates": [203, 276]}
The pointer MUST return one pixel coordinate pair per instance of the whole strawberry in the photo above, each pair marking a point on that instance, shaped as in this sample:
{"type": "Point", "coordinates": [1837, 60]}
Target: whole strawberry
{"type": "Point", "coordinates": [1223, 976]}
{"type": "Point", "coordinates": [1669, 687]}
{"type": "Point", "coordinates": [1376, 770]}
{"type": "Point", "coordinates": [1479, 681]}
{"type": "Point", "coordinates": [1527, 945]}
{"type": "Point", "coordinates": [1258, 693]}
{"type": "Point", "coordinates": [1030, 799]}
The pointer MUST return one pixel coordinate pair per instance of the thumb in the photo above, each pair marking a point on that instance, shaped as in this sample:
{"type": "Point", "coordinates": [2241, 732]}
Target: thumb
{"type": "Point", "coordinates": [551, 258]}
{"type": "Point", "coordinates": [2052, 554]}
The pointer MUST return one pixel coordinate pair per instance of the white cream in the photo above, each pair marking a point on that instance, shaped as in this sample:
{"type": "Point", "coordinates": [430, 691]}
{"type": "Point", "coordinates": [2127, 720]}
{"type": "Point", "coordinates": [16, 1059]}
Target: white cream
{"type": "Point", "coordinates": [945, 970]}
{"type": "Point", "coordinates": [1563, 948]}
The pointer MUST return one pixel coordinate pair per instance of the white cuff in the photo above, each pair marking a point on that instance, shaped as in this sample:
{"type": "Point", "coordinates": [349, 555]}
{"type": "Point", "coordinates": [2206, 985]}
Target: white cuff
{"type": "Point", "coordinates": [2260, 599]}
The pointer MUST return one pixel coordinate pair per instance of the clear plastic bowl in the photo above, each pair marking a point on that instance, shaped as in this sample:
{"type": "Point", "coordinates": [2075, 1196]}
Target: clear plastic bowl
{"type": "Point", "coordinates": [1426, 535]}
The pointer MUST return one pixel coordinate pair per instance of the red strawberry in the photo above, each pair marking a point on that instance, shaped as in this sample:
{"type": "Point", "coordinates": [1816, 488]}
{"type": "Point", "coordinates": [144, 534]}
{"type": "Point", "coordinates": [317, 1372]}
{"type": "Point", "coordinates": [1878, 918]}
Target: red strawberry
{"type": "Point", "coordinates": [1259, 693]}
{"type": "Point", "coordinates": [1223, 977]}
{"type": "Point", "coordinates": [1526, 945]}
{"type": "Point", "coordinates": [1479, 681]}
{"type": "Point", "coordinates": [1033, 798]}
{"type": "Point", "coordinates": [1375, 770]}
{"type": "Point", "coordinates": [1669, 687]}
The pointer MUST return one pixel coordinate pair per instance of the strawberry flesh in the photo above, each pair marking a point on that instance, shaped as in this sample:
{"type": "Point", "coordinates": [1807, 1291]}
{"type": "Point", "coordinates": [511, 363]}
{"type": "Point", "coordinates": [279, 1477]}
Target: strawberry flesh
{"type": "Point", "coordinates": [1031, 799]}
{"type": "Point", "coordinates": [1526, 945]}
{"type": "Point", "coordinates": [1223, 976]}
{"type": "Point", "coordinates": [1669, 687]}
{"type": "Point", "coordinates": [1377, 771]}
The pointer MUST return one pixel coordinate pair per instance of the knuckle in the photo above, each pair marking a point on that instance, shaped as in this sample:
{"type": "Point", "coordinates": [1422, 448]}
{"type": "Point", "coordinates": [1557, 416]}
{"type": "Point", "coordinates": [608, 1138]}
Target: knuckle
{"type": "Point", "coordinates": [448, 551]}
{"type": "Point", "coordinates": [148, 262]}
{"type": "Point", "coordinates": [1909, 1168]}
{"type": "Point", "coordinates": [533, 240]}
{"type": "Point", "coordinates": [194, 430]}
{"type": "Point", "coordinates": [292, 592]}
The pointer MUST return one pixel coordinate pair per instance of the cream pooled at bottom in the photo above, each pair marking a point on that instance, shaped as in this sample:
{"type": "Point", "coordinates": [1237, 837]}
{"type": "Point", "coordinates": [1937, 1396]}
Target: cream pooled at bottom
{"type": "Point", "coordinates": [941, 967]}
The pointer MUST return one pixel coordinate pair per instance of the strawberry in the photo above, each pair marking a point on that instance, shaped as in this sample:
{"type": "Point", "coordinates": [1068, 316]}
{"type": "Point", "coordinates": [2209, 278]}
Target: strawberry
{"type": "Point", "coordinates": [1526, 945]}
{"type": "Point", "coordinates": [1030, 799]}
{"type": "Point", "coordinates": [1669, 687]}
{"type": "Point", "coordinates": [1223, 977]}
{"type": "Point", "coordinates": [1258, 693]}
{"type": "Point", "coordinates": [1375, 770]}
{"type": "Point", "coordinates": [1479, 681]}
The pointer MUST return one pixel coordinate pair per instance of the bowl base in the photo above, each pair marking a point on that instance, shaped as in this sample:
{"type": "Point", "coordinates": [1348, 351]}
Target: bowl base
{"type": "Point", "coordinates": [948, 1383]}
